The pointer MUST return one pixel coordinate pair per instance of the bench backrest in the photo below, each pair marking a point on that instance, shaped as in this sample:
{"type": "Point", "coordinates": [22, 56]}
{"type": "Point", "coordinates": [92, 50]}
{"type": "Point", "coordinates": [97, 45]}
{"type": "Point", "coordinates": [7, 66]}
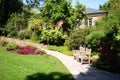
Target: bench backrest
{"type": "Point", "coordinates": [82, 49]}
{"type": "Point", "coordinates": [88, 51]}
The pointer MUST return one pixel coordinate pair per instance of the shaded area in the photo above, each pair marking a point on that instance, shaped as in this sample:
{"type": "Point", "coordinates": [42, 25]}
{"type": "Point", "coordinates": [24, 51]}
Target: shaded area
{"type": "Point", "coordinates": [92, 73]}
{"type": "Point", "coordinates": [51, 76]}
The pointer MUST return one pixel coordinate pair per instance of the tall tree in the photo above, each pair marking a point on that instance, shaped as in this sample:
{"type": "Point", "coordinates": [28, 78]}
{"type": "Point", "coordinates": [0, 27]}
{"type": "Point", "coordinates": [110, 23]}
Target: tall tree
{"type": "Point", "coordinates": [111, 6]}
{"type": "Point", "coordinates": [15, 23]}
{"type": "Point", "coordinates": [55, 10]}
{"type": "Point", "coordinates": [7, 7]}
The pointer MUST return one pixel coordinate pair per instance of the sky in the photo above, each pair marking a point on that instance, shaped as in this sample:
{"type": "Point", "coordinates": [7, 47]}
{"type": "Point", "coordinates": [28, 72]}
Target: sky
{"type": "Point", "coordinates": [90, 3]}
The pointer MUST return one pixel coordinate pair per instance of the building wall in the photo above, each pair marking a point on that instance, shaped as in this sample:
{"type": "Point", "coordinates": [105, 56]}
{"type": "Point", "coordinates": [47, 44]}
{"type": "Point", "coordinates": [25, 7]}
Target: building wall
{"type": "Point", "coordinates": [90, 21]}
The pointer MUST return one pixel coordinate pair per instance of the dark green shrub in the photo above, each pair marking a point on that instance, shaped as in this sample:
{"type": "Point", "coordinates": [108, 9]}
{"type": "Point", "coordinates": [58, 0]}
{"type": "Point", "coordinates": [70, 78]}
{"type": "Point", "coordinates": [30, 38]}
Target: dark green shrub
{"type": "Point", "coordinates": [11, 46]}
{"type": "Point", "coordinates": [25, 34]}
{"type": "Point", "coordinates": [77, 38]}
{"type": "Point", "coordinates": [94, 38]}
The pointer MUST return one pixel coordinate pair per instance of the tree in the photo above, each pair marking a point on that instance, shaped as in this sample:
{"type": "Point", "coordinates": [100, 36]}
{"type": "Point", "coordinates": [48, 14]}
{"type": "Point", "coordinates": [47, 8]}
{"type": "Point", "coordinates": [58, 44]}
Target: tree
{"type": "Point", "coordinates": [14, 24]}
{"type": "Point", "coordinates": [108, 42]}
{"type": "Point", "coordinates": [35, 3]}
{"type": "Point", "coordinates": [55, 10]}
{"type": "Point", "coordinates": [111, 6]}
{"type": "Point", "coordinates": [35, 22]}
{"type": "Point", "coordinates": [77, 14]}
{"type": "Point", "coordinates": [7, 7]}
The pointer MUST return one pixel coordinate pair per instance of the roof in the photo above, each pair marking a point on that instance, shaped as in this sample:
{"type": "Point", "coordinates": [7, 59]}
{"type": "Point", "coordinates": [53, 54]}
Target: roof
{"type": "Point", "coordinates": [92, 11]}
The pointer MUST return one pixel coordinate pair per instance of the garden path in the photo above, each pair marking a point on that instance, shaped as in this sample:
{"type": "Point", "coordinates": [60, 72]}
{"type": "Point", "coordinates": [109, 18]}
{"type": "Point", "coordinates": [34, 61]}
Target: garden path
{"type": "Point", "coordinates": [83, 72]}
{"type": "Point", "coordinates": [79, 72]}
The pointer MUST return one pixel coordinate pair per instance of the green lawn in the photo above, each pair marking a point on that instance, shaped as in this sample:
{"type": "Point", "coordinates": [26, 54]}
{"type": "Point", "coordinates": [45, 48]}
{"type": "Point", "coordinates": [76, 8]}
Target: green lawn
{"type": "Point", "coordinates": [62, 49]}
{"type": "Point", "coordinates": [31, 67]}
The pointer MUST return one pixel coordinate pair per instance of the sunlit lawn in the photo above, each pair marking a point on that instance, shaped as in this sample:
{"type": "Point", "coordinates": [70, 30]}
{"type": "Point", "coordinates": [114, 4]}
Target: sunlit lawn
{"type": "Point", "coordinates": [31, 67]}
{"type": "Point", "coordinates": [62, 49]}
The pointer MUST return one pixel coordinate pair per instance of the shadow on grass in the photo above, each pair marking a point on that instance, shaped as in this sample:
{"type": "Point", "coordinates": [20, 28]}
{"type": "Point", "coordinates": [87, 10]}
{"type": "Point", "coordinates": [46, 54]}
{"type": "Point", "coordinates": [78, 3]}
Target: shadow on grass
{"type": "Point", "coordinates": [51, 76]}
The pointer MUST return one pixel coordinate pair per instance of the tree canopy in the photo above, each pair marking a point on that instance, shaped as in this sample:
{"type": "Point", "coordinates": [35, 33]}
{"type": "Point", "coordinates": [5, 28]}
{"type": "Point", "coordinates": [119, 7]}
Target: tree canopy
{"type": "Point", "coordinates": [56, 10]}
{"type": "Point", "coordinates": [111, 6]}
{"type": "Point", "coordinates": [35, 3]}
{"type": "Point", "coordinates": [7, 7]}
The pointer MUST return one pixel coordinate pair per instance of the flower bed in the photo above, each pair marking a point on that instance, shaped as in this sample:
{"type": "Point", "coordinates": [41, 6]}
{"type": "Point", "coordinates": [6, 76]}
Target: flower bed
{"type": "Point", "coordinates": [20, 49]}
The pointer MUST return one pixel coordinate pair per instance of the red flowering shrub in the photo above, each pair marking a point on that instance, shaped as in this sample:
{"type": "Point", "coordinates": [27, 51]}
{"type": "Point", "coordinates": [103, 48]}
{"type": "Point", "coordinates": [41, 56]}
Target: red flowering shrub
{"type": "Point", "coordinates": [26, 50]}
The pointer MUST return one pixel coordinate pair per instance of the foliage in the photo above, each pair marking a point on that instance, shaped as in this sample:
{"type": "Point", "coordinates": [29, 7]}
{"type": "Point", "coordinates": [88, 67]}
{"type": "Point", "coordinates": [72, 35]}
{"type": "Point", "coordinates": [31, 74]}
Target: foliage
{"type": "Point", "coordinates": [51, 12]}
{"type": "Point", "coordinates": [34, 22]}
{"type": "Point", "coordinates": [11, 46]}
{"type": "Point", "coordinates": [35, 3]}
{"type": "Point", "coordinates": [109, 45]}
{"type": "Point", "coordinates": [56, 10]}
{"type": "Point", "coordinates": [108, 63]}
{"type": "Point", "coordinates": [93, 40]}
{"type": "Point", "coordinates": [76, 15]}
{"type": "Point", "coordinates": [3, 43]}
{"type": "Point", "coordinates": [52, 37]}
{"type": "Point", "coordinates": [15, 23]}
{"type": "Point", "coordinates": [112, 6]}
{"type": "Point", "coordinates": [7, 8]}
{"type": "Point", "coordinates": [77, 38]}
{"type": "Point", "coordinates": [26, 50]}
{"type": "Point", "coordinates": [41, 52]}
{"type": "Point", "coordinates": [25, 34]}
{"type": "Point", "coordinates": [44, 36]}
{"type": "Point", "coordinates": [109, 51]}
{"type": "Point", "coordinates": [26, 67]}
{"type": "Point", "coordinates": [95, 58]}
{"type": "Point", "coordinates": [34, 36]}
{"type": "Point", "coordinates": [62, 49]}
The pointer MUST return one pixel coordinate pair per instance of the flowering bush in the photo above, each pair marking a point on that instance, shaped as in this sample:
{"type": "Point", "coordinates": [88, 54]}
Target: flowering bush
{"type": "Point", "coordinates": [26, 50]}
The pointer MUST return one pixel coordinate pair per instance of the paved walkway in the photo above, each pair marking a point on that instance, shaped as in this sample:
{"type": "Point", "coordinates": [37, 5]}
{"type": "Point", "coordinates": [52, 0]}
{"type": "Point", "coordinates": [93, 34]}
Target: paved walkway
{"type": "Point", "coordinates": [83, 72]}
{"type": "Point", "coordinates": [79, 72]}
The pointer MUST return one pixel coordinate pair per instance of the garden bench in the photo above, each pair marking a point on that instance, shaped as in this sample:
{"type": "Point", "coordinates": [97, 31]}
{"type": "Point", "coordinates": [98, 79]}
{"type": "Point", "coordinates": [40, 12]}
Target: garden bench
{"type": "Point", "coordinates": [82, 55]}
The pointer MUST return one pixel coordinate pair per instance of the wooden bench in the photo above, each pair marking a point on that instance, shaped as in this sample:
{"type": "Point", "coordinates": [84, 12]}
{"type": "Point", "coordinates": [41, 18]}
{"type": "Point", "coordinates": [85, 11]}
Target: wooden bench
{"type": "Point", "coordinates": [82, 55]}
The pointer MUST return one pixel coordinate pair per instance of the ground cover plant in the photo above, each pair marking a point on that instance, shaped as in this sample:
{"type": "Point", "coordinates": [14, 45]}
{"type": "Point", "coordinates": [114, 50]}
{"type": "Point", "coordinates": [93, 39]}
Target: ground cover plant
{"type": "Point", "coordinates": [31, 67]}
{"type": "Point", "coordinates": [26, 50]}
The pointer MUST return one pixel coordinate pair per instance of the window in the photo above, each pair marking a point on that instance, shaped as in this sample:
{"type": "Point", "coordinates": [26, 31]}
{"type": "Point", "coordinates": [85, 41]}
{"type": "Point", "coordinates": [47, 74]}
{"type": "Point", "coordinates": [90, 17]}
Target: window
{"type": "Point", "coordinates": [90, 22]}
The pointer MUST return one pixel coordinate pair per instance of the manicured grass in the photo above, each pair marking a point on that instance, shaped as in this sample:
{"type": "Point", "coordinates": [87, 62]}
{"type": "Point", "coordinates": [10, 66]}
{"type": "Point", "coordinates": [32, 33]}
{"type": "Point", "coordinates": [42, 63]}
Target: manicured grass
{"type": "Point", "coordinates": [31, 67]}
{"type": "Point", "coordinates": [62, 49]}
